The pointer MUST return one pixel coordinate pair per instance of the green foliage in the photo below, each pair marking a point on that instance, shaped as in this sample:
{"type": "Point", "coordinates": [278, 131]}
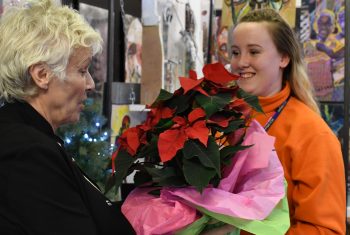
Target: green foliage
{"type": "Point", "coordinates": [88, 142]}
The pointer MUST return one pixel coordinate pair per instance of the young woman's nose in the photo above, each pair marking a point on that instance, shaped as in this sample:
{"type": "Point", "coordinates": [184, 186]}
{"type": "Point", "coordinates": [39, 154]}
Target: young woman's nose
{"type": "Point", "coordinates": [243, 61]}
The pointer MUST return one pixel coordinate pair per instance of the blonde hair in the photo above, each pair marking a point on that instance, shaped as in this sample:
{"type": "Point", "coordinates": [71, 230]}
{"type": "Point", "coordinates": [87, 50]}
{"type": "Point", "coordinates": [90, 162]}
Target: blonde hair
{"type": "Point", "coordinates": [39, 32]}
{"type": "Point", "coordinates": [287, 44]}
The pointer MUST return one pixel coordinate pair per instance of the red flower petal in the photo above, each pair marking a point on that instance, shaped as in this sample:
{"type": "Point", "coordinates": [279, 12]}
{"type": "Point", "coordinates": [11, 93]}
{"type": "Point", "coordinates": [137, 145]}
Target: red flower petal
{"type": "Point", "coordinates": [179, 120]}
{"type": "Point", "coordinates": [198, 131]}
{"type": "Point", "coordinates": [196, 114]}
{"type": "Point", "coordinates": [130, 140]}
{"type": "Point", "coordinates": [218, 74]}
{"type": "Point", "coordinates": [166, 112]}
{"type": "Point", "coordinates": [234, 137]}
{"type": "Point", "coordinates": [188, 83]}
{"type": "Point", "coordinates": [219, 120]}
{"type": "Point", "coordinates": [239, 105]}
{"type": "Point", "coordinates": [193, 74]}
{"type": "Point", "coordinates": [169, 142]}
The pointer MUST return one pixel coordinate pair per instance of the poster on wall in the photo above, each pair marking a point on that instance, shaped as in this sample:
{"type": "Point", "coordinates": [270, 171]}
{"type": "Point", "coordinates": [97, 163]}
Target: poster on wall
{"type": "Point", "coordinates": [223, 22]}
{"type": "Point", "coordinates": [205, 23]}
{"type": "Point", "coordinates": [171, 23]}
{"type": "Point", "coordinates": [322, 33]}
{"type": "Point", "coordinates": [182, 39]}
{"type": "Point", "coordinates": [98, 19]}
{"type": "Point", "coordinates": [125, 116]}
{"type": "Point", "coordinates": [133, 48]}
{"type": "Point", "coordinates": [1, 7]}
{"type": "Point", "coordinates": [333, 114]}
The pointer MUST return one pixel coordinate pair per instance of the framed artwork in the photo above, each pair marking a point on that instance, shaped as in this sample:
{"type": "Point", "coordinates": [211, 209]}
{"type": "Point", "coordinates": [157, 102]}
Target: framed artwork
{"type": "Point", "coordinates": [223, 21]}
{"type": "Point", "coordinates": [133, 49]}
{"type": "Point", "coordinates": [98, 19]}
{"type": "Point", "coordinates": [1, 7]}
{"type": "Point", "coordinates": [125, 116]}
{"type": "Point", "coordinates": [333, 114]}
{"type": "Point", "coordinates": [321, 29]}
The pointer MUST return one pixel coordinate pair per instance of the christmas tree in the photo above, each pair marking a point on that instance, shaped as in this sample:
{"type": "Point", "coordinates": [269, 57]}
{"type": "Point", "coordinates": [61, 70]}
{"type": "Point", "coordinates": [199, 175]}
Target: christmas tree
{"type": "Point", "coordinates": [88, 141]}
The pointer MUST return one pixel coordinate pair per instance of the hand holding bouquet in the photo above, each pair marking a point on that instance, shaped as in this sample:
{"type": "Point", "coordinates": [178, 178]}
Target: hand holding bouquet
{"type": "Point", "coordinates": [198, 158]}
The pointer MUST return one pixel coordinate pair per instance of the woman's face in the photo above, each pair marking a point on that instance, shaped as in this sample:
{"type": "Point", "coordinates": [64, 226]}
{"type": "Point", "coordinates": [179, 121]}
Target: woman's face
{"type": "Point", "coordinates": [256, 60]}
{"type": "Point", "coordinates": [67, 96]}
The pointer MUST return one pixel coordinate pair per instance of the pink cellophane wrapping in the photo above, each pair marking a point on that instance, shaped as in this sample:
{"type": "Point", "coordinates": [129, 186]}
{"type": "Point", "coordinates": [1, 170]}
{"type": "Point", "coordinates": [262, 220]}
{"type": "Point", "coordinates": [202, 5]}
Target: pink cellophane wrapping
{"type": "Point", "coordinates": [250, 189]}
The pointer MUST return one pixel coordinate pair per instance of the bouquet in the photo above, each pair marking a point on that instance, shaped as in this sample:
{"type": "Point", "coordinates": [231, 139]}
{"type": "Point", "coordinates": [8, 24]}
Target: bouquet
{"type": "Point", "coordinates": [201, 161]}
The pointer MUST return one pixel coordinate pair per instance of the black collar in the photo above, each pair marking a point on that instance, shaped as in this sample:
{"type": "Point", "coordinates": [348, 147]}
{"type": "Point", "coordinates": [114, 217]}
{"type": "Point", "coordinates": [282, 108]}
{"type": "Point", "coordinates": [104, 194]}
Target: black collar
{"type": "Point", "coordinates": [25, 113]}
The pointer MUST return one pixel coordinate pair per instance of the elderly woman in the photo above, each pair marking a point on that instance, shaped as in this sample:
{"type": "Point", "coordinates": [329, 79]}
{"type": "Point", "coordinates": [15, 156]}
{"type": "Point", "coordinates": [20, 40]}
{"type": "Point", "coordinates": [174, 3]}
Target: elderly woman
{"type": "Point", "coordinates": [46, 50]}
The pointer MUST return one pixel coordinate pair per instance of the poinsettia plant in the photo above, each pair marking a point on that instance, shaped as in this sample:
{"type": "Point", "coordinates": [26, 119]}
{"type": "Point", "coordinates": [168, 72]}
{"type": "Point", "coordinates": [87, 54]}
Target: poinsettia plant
{"type": "Point", "coordinates": [189, 135]}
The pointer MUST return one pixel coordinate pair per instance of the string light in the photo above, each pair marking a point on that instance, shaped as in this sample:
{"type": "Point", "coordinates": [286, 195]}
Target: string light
{"type": "Point", "coordinates": [68, 140]}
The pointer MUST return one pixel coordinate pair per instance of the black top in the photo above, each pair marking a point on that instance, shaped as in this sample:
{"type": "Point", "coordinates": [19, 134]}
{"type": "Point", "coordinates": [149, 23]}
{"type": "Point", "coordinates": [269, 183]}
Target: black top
{"type": "Point", "coordinates": [42, 191]}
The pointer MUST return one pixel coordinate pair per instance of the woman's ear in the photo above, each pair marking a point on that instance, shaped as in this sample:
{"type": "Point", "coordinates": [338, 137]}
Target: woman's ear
{"type": "Point", "coordinates": [284, 61]}
{"type": "Point", "coordinates": [40, 74]}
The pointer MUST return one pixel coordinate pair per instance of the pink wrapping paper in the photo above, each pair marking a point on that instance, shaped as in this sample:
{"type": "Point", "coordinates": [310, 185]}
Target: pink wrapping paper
{"type": "Point", "coordinates": [250, 189]}
{"type": "Point", "coordinates": [150, 215]}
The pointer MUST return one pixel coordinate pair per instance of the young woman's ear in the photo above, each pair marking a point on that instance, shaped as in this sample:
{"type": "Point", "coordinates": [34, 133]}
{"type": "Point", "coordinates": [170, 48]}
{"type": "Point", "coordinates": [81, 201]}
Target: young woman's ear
{"type": "Point", "coordinates": [40, 74]}
{"type": "Point", "coordinates": [284, 61]}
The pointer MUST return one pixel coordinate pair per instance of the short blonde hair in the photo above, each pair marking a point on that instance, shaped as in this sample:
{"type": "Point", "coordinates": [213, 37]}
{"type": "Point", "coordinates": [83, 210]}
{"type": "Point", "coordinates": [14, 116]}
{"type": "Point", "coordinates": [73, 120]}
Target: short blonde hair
{"type": "Point", "coordinates": [39, 32]}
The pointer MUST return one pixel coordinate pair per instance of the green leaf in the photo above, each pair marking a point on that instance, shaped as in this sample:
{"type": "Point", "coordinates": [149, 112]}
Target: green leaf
{"type": "Point", "coordinates": [163, 124]}
{"type": "Point", "coordinates": [208, 156]}
{"type": "Point", "coordinates": [228, 152]}
{"type": "Point", "coordinates": [150, 150]}
{"type": "Point", "coordinates": [141, 177]}
{"type": "Point", "coordinates": [167, 176]}
{"type": "Point", "coordinates": [122, 164]}
{"type": "Point", "coordinates": [196, 174]}
{"type": "Point", "coordinates": [163, 95]}
{"type": "Point", "coordinates": [180, 103]}
{"type": "Point", "coordinates": [232, 126]}
{"type": "Point", "coordinates": [213, 104]}
{"type": "Point", "coordinates": [252, 100]}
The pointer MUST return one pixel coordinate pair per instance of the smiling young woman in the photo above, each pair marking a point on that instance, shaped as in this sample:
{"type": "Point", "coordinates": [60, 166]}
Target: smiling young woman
{"type": "Point", "coordinates": [267, 57]}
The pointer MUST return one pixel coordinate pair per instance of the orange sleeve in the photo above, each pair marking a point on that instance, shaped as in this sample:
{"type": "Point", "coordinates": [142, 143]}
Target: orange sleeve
{"type": "Point", "coordinates": [318, 196]}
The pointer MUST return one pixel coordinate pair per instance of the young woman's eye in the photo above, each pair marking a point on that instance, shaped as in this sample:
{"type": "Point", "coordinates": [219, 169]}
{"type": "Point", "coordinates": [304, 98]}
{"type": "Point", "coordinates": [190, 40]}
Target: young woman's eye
{"type": "Point", "coordinates": [254, 52]}
{"type": "Point", "coordinates": [235, 53]}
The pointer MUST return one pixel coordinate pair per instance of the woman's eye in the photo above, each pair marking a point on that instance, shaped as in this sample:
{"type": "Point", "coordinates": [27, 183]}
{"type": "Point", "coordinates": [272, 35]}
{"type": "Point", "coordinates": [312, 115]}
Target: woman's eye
{"type": "Point", "coordinates": [254, 52]}
{"type": "Point", "coordinates": [83, 72]}
{"type": "Point", "coordinates": [235, 53]}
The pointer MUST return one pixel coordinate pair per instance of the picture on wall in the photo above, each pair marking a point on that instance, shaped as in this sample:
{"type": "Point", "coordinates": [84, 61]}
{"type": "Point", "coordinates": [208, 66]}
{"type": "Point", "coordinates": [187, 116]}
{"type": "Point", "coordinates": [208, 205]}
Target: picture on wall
{"type": "Point", "coordinates": [223, 21]}
{"type": "Point", "coordinates": [333, 114]}
{"type": "Point", "coordinates": [125, 116]}
{"type": "Point", "coordinates": [1, 7]}
{"type": "Point", "coordinates": [322, 33]}
{"type": "Point", "coordinates": [98, 19]}
{"type": "Point", "coordinates": [181, 40]}
{"type": "Point", "coordinates": [133, 48]}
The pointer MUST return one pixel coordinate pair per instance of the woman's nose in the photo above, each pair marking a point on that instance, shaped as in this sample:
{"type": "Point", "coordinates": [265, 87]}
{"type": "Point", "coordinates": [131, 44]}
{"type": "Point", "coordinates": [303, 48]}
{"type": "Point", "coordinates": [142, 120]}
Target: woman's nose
{"type": "Point", "coordinates": [90, 84]}
{"type": "Point", "coordinates": [243, 61]}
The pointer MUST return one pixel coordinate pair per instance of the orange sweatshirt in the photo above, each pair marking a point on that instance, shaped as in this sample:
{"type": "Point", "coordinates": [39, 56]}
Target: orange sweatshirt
{"type": "Point", "coordinates": [312, 160]}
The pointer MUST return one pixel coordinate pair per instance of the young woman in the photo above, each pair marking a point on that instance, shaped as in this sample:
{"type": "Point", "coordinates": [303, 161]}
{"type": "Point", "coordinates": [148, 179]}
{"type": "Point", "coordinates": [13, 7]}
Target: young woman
{"type": "Point", "coordinates": [267, 57]}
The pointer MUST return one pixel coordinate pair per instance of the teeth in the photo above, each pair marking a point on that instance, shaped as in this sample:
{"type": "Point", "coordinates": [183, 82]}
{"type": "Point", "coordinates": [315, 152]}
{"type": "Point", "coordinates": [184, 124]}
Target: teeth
{"type": "Point", "coordinates": [247, 75]}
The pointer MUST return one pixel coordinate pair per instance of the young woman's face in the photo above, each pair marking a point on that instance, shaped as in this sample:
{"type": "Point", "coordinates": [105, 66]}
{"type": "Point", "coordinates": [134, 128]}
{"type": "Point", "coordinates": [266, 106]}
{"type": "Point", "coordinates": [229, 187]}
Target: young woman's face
{"type": "Point", "coordinates": [68, 96]}
{"type": "Point", "coordinates": [256, 60]}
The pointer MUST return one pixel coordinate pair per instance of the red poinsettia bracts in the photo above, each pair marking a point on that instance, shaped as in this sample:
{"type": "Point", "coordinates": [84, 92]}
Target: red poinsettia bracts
{"type": "Point", "coordinates": [172, 140]}
{"type": "Point", "coordinates": [192, 83]}
{"type": "Point", "coordinates": [189, 134]}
